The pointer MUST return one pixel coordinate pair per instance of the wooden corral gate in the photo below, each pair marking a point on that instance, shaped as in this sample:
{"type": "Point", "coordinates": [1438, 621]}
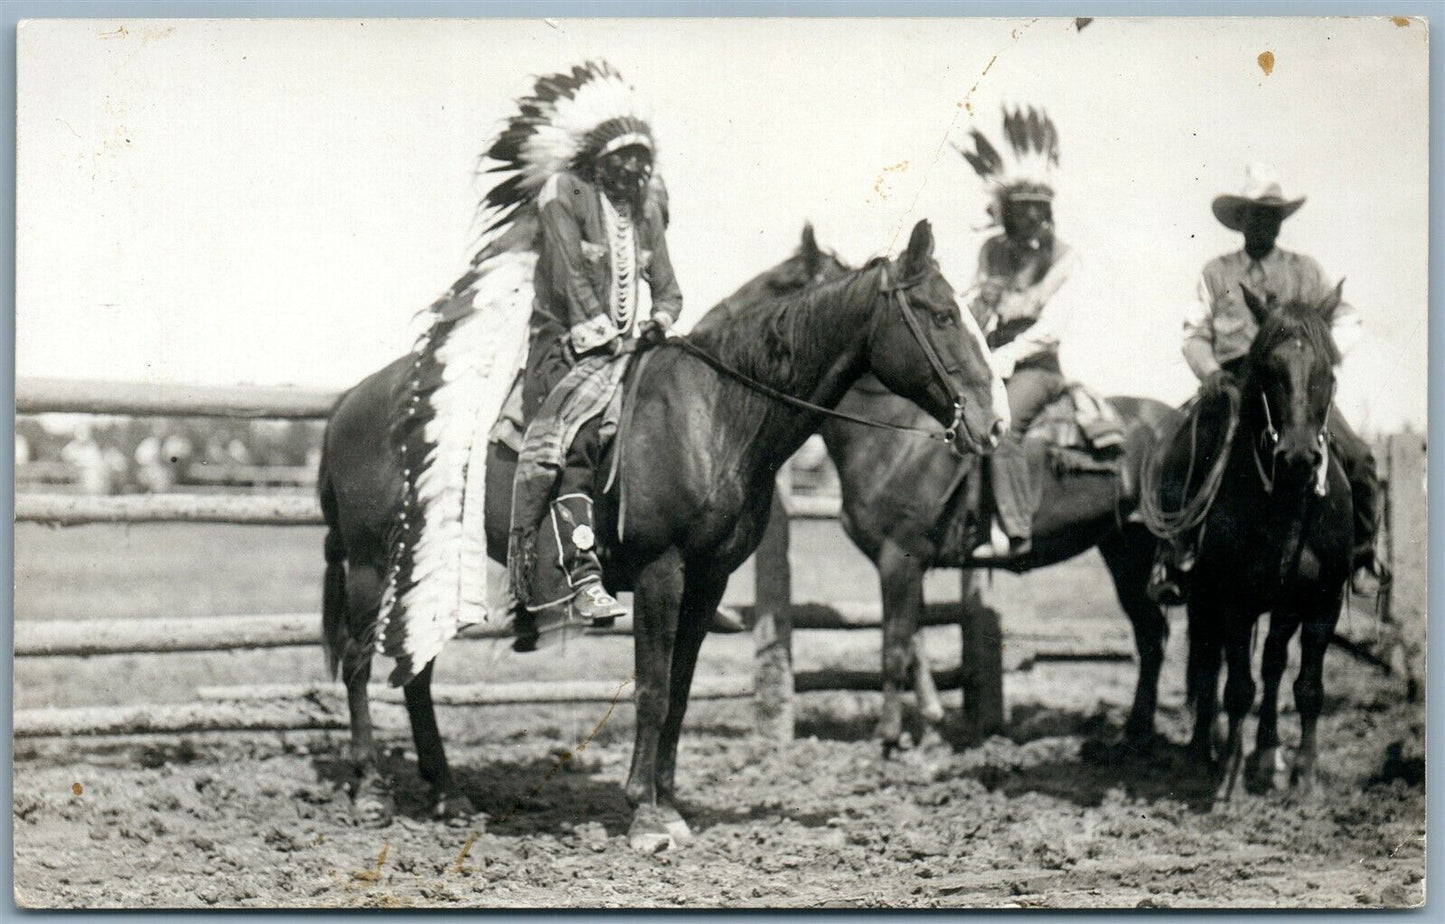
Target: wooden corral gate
{"type": "Point", "coordinates": [773, 617]}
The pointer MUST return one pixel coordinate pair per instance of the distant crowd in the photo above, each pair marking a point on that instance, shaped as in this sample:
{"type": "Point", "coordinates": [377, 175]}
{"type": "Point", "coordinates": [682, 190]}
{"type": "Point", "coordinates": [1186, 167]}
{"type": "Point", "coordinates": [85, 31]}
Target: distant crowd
{"type": "Point", "coordinates": [155, 455]}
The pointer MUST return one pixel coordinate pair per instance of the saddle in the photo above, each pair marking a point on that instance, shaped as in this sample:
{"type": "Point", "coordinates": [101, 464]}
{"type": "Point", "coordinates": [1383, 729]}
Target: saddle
{"type": "Point", "coordinates": [1079, 432]}
{"type": "Point", "coordinates": [606, 393]}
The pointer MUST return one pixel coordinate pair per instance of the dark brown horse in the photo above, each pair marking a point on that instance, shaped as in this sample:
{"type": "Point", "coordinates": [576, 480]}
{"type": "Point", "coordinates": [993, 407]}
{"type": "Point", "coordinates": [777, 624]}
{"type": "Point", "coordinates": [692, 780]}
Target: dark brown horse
{"type": "Point", "coordinates": [1276, 539]}
{"type": "Point", "coordinates": [902, 500]}
{"type": "Point", "coordinates": [698, 469]}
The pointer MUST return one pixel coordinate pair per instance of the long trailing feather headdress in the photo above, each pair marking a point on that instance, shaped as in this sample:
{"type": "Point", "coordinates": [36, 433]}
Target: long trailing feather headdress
{"type": "Point", "coordinates": [464, 364]}
{"type": "Point", "coordinates": [1024, 170]}
{"type": "Point", "coordinates": [565, 123]}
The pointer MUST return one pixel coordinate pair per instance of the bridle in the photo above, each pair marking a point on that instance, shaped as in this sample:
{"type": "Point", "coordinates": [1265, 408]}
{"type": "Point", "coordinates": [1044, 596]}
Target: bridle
{"type": "Point", "coordinates": [898, 290]}
{"type": "Point", "coordinates": [1269, 440]}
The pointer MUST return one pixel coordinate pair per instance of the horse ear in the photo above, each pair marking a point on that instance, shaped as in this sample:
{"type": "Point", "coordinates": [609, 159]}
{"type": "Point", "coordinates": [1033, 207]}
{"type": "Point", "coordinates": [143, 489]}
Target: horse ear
{"type": "Point", "coordinates": [812, 256]}
{"type": "Point", "coordinates": [1256, 305]}
{"type": "Point", "coordinates": [920, 247]}
{"type": "Point", "coordinates": [1331, 304]}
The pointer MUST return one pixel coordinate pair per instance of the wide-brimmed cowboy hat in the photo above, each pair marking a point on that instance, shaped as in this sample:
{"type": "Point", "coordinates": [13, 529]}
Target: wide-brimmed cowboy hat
{"type": "Point", "coordinates": [1260, 189]}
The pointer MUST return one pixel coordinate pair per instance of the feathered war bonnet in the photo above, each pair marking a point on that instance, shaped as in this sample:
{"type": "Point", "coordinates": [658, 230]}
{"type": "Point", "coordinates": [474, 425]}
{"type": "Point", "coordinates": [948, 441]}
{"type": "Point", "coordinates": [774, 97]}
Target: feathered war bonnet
{"type": "Point", "coordinates": [1024, 172]}
{"type": "Point", "coordinates": [567, 122]}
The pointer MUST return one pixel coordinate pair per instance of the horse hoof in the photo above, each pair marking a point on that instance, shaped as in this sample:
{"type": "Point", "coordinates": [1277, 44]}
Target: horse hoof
{"type": "Point", "coordinates": [1229, 787]}
{"type": "Point", "coordinates": [1261, 768]}
{"type": "Point", "coordinates": [651, 841]}
{"type": "Point", "coordinates": [894, 747]}
{"type": "Point", "coordinates": [657, 828]}
{"type": "Point", "coordinates": [372, 810]}
{"type": "Point", "coordinates": [932, 740]}
{"type": "Point", "coordinates": [1302, 782]}
{"type": "Point", "coordinates": [679, 831]}
{"type": "Point", "coordinates": [453, 807]}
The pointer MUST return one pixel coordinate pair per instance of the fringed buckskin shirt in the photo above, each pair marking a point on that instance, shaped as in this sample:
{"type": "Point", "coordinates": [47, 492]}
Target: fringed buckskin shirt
{"type": "Point", "coordinates": [590, 261]}
{"type": "Point", "coordinates": [1218, 325]}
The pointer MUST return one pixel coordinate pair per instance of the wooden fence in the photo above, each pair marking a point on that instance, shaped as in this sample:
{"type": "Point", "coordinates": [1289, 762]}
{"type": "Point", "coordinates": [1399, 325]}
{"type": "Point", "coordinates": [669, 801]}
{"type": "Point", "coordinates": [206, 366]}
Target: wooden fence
{"type": "Point", "coordinates": [773, 617]}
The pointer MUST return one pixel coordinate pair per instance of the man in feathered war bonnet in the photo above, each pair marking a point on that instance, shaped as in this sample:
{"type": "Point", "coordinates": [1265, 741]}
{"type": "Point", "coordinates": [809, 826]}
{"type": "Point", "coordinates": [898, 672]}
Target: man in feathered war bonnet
{"type": "Point", "coordinates": [1022, 305]}
{"type": "Point", "coordinates": [602, 233]}
{"type": "Point", "coordinates": [1218, 331]}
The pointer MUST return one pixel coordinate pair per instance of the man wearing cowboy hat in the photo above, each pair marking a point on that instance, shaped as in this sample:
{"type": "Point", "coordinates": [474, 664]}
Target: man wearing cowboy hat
{"type": "Point", "coordinates": [1218, 331]}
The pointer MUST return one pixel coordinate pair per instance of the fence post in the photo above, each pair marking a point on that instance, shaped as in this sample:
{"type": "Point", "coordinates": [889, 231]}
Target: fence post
{"type": "Point", "coordinates": [1406, 517]}
{"type": "Point", "coordinates": [773, 625]}
{"type": "Point", "coordinates": [982, 668]}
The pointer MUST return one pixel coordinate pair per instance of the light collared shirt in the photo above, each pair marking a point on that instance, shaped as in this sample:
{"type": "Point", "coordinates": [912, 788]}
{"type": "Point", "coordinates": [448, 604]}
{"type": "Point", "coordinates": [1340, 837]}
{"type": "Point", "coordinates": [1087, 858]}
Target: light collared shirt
{"type": "Point", "coordinates": [1218, 325]}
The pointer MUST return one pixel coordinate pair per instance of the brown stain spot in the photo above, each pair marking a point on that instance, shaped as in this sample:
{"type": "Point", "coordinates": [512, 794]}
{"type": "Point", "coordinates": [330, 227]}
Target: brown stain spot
{"type": "Point", "coordinates": [1400, 21]}
{"type": "Point", "coordinates": [122, 32]}
{"type": "Point", "coordinates": [879, 185]}
{"type": "Point", "coordinates": [460, 865]}
{"type": "Point", "coordinates": [1266, 62]}
{"type": "Point", "coordinates": [77, 789]}
{"type": "Point", "coordinates": [374, 875]}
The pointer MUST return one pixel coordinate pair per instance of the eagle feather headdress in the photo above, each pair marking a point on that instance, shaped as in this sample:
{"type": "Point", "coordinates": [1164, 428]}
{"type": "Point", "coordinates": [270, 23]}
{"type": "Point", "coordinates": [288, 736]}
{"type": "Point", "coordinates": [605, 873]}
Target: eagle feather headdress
{"type": "Point", "coordinates": [465, 362]}
{"type": "Point", "coordinates": [1024, 170]}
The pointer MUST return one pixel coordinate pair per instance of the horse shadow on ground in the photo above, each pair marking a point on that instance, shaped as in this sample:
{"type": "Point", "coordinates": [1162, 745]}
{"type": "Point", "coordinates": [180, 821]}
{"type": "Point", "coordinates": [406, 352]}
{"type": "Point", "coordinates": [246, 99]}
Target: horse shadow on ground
{"type": "Point", "coordinates": [1103, 762]}
{"type": "Point", "coordinates": [1084, 775]}
{"type": "Point", "coordinates": [544, 795]}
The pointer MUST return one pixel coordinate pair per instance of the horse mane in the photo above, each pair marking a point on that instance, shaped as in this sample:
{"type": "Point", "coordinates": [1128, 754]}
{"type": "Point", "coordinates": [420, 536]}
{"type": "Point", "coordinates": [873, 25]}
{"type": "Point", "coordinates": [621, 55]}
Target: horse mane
{"type": "Point", "coordinates": [772, 339]}
{"type": "Point", "coordinates": [1289, 320]}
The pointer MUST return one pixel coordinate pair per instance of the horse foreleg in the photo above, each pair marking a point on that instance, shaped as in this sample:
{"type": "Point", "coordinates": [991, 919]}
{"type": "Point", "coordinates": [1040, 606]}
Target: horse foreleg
{"type": "Point", "coordinates": [1129, 559]}
{"type": "Point", "coordinates": [1265, 761]}
{"type": "Point", "coordinates": [1309, 697]}
{"type": "Point", "coordinates": [1206, 649]}
{"type": "Point", "coordinates": [431, 756]}
{"type": "Point", "coordinates": [1238, 698]}
{"type": "Point", "coordinates": [700, 600]}
{"type": "Point", "coordinates": [901, 580]}
{"type": "Point", "coordinates": [657, 600]}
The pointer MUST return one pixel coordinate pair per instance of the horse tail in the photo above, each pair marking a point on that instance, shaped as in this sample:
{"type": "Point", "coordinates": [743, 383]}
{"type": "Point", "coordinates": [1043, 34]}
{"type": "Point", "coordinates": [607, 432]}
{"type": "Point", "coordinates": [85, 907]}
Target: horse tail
{"type": "Point", "coordinates": [335, 627]}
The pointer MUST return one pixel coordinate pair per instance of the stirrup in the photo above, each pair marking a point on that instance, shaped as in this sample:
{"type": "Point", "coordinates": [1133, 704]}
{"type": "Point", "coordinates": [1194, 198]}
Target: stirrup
{"type": "Point", "coordinates": [1001, 546]}
{"type": "Point", "coordinates": [1163, 589]}
{"type": "Point", "coordinates": [595, 605]}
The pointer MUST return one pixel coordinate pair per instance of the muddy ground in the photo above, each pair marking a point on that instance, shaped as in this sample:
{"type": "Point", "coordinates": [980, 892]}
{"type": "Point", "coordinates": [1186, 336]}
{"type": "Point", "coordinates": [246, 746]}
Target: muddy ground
{"type": "Point", "coordinates": [1047, 816]}
{"type": "Point", "coordinates": [1036, 819]}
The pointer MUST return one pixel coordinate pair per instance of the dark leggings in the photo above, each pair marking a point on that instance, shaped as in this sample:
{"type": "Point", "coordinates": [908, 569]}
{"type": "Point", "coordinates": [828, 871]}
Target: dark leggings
{"type": "Point", "coordinates": [1015, 489]}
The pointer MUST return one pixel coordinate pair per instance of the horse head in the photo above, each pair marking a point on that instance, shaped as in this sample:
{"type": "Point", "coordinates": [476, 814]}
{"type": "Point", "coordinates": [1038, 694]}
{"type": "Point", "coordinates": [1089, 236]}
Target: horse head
{"type": "Point", "coordinates": [924, 347]}
{"type": "Point", "coordinates": [810, 266]}
{"type": "Point", "coordinates": [1291, 378]}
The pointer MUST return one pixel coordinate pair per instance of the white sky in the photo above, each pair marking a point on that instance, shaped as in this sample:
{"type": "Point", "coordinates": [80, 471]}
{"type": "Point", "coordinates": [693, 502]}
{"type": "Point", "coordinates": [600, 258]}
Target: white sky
{"type": "Point", "coordinates": [272, 201]}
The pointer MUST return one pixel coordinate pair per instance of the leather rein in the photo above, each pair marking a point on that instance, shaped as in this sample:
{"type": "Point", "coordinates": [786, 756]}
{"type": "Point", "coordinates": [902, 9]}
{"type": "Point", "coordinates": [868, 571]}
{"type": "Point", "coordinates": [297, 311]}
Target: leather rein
{"type": "Point", "coordinates": [949, 435]}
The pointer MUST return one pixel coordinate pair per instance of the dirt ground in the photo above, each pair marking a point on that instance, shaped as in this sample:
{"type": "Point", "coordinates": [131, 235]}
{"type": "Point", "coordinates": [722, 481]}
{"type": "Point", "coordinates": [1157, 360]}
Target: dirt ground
{"type": "Point", "coordinates": [1049, 815]}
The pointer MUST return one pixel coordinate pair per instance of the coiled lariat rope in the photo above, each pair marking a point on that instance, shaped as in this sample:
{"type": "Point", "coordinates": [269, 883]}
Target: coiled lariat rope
{"type": "Point", "coordinates": [1171, 524]}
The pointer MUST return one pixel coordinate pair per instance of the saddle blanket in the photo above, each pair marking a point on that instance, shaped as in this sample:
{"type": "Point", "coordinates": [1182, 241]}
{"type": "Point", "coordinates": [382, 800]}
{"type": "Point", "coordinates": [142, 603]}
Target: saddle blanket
{"type": "Point", "coordinates": [1082, 419]}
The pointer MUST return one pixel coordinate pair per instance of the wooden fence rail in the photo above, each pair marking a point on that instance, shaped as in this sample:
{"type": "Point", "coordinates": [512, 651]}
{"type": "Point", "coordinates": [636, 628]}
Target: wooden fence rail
{"type": "Point", "coordinates": [985, 653]}
{"type": "Point", "coordinates": [69, 396]}
{"type": "Point", "coordinates": [38, 638]}
{"type": "Point", "coordinates": [247, 509]}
